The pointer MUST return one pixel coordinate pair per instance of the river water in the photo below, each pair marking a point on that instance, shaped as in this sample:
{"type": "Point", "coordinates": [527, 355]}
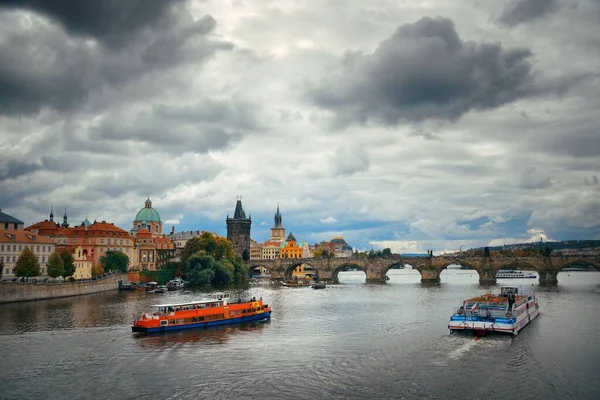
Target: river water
{"type": "Point", "coordinates": [349, 341]}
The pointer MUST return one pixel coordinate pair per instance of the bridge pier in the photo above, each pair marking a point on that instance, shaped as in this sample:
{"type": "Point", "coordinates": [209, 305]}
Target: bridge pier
{"type": "Point", "coordinates": [487, 276]}
{"type": "Point", "coordinates": [429, 275]}
{"type": "Point", "coordinates": [548, 277]}
{"type": "Point", "coordinates": [374, 276]}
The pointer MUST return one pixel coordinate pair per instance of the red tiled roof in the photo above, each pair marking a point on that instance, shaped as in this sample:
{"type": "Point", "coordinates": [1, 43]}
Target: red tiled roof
{"type": "Point", "coordinates": [16, 236]}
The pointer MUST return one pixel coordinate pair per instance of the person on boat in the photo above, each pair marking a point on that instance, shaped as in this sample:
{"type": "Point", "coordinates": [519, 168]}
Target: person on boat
{"type": "Point", "coordinates": [511, 301]}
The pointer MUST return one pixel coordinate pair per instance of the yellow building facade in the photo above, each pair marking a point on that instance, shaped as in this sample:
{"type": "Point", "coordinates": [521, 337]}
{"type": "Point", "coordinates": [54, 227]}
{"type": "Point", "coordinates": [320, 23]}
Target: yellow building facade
{"type": "Point", "coordinates": [290, 248]}
{"type": "Point", "coordinates": [83, 263]}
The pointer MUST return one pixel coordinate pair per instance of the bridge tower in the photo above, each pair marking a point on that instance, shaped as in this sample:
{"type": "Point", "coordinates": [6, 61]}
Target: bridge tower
{"type": "Point", "coordinates": [278, 231]}
{"type": "Point", "coordinates": [238, 231]}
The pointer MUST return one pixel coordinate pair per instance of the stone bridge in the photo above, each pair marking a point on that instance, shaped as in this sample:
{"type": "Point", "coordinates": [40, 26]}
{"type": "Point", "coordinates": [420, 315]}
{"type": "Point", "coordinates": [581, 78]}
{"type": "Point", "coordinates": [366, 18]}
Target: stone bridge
{"type": "Point", "coordinates": [327, 269]}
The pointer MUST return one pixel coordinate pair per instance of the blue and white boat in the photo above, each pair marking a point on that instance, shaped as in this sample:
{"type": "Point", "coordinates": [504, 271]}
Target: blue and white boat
{"type": "Point", "coordinates": [507, 312]}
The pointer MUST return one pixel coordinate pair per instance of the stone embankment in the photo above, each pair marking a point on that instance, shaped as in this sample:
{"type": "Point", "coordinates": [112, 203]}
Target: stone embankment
{"type": "Point", "coordinates": [12, 292]}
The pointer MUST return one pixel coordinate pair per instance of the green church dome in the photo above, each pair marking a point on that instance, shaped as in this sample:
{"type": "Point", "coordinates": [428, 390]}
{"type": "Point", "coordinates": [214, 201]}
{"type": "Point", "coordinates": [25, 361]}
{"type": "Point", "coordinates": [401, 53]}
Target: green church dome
{"type": "Point", "coordinates": [147, 213]}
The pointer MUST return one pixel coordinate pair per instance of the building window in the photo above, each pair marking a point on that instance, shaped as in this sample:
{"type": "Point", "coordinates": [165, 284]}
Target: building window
{"type": "Point", "coordinates": [1, 247]}
{"type": "Point", "coordinates": [121, 242]}
{"type": "Point", "coordinates": [16, 227]}
{"type": "Point", "coordinates": [37, 249]}
{"type": "Point", "coordinates": [43, 258]}
{"type": "Point", "coordinates": [20, 247]}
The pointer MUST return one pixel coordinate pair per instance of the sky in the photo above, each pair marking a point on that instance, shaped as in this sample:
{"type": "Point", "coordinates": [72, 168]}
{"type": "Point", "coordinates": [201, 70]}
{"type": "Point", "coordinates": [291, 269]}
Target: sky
{"type": "Point", "coordinates": [413, 125]}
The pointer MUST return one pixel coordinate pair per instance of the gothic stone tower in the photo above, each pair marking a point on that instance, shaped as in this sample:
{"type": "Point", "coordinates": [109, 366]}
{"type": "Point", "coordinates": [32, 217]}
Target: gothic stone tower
{"type": "Point", "coordinates": [278, 231]}
{"type": "Point", "coordinates": [238, 231]}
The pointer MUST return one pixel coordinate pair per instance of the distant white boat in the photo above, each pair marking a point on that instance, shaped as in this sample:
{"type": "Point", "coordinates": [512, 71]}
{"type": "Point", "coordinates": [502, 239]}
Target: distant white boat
{"type": "Point", "coordinates": [510, 274]}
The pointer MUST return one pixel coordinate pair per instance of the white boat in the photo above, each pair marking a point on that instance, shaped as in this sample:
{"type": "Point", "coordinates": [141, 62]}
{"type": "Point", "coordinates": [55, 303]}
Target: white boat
{"type": "Point", "coordinates": [508, 312]}
{"type": "Point", "coordinates": [512, 274]}
{"type": "Point", "coordinates": [175, 284]}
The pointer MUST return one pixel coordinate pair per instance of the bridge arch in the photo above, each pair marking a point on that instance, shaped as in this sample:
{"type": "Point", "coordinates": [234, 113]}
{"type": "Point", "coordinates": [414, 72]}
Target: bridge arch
{"type": "Point", "coordinates": [289, 269]}
{"type": "Point", "coordinates": [259, 271]}
{"type": "Point", "coordinates": [580, 262]}
{"type": "Point", "coordinates": [520, 265]}
{"type": "Point", "coordinates": [344, 267]}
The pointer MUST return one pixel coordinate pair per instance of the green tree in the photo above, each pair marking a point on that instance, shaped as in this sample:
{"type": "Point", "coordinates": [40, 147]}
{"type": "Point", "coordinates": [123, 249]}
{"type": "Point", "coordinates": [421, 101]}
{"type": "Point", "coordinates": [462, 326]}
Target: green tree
{"type": "Point", "coordinates": [201, 269]}
{"type": "Point", "coordinates": [68, 263]}
{"type": "Point", "coordinates": [240, 272]}
{"type": "Point", "coordinates": [209, 259]}
{"type": "Point", "coordinates": [114, 261]}
{"type": "Point", "coordinates": [27, 264]}
{"type": "Point", "coordinates": [192, 247]}
{"type": "Point", "coordinates": [386, 253]}
{"type": "Point", "coordinates": [55, 265]}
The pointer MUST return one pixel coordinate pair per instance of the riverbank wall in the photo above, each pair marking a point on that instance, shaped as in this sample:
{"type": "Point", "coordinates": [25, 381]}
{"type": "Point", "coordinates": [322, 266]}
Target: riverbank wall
{"type": "Point", "coordinates": [14, 292]}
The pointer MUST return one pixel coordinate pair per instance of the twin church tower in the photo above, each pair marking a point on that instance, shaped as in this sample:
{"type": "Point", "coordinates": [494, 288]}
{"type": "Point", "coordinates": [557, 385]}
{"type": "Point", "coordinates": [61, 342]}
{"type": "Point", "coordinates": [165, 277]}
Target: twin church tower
{"type": "Point", "coordinates": [238, 230]}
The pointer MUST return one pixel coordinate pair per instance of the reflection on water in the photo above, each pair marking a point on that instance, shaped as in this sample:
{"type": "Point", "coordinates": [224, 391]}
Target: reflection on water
{"type": "Point", "coordinates": [216, 335]}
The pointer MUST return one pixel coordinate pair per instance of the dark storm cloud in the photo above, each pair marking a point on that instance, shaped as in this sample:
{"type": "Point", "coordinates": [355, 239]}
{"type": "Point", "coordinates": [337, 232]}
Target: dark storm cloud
{"type": "Point", "coordinates": [12, 169]}
{"type": "Point", "coordinates": [234, 113]}
{"type": "Point", "coordinates": [44, 67]}
{"type": "Point", "coordinates": [520, 11]}
{"type": "Point", "coordinates": [425, 71]}
{"type": "Point", "coordinates": [113, 22]}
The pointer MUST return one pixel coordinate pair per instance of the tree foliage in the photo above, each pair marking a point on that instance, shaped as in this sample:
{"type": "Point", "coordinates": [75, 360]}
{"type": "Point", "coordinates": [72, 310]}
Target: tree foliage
{"type": "Point", "coordinates": [27, 264]}
{"type": "Point", "coordinates": [56, 265]}
{"type": "Point", "coordinates": [203, 269]}
{"type": "Point", "coordinates": [68, 263]}
{"type": "Point", "coordinates": [224, 268]}
{"type": "Point", "coordinates": [97, 270]}
{"type": "Point", "coordinates": [114, 260]}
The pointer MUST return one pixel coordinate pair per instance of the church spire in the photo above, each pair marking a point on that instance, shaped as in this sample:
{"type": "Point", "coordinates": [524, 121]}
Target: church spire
{"type": "Point", "coordinates": [65, 224]}
{"type": "Point", "coordinates": [51, 213]}
{"type": "Point", "coordinates": [239, 210]}
{"type": "Point", "coordinates": [278, 218]}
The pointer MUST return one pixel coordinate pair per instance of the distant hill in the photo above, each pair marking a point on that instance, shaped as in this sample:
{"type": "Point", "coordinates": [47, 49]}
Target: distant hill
{"type": "Point", "coordinates": [565, 244]}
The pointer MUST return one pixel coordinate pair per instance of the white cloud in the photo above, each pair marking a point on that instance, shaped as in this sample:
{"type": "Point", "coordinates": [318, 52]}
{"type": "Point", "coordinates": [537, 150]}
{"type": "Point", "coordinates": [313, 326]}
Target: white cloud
{"type": "Point", "coordinates": [328, 220]}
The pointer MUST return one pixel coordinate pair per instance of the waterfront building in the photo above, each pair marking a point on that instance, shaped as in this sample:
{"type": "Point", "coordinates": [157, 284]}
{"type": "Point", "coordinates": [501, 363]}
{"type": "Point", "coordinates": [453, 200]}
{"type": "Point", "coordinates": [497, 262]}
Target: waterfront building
{"type": "Point", "coordinates": [94, 238]}
{"type": "Point", "coordinates": [238, 231]}
{"type": "Point", "coordinates": [255, 250]}
{"type": "Point", "coordinates": [12, 243]}
{"type": "Point", "coordinates": [151, 245]}
{"type": "Point", "coordinates": [270, 250]}
{"type": "Point", "coordinates": [83, 263]}
{"type": "Point", "coordinates": [148, 219]}
{"type": "Point", "coordinates": [340, 248]}
{"type": "Point", "coordinates": [181, 238]}
{"type": "Point", "coordinates": [290, 248]}
{"type": "Point", "coordinates": [8, 222]}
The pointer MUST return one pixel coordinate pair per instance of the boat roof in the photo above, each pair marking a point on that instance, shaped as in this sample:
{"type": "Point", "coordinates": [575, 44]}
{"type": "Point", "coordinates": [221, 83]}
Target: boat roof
{"type": "Point", "coordinates": [212, 298]}
{"type": "Point", "coordinates": [189, 303]}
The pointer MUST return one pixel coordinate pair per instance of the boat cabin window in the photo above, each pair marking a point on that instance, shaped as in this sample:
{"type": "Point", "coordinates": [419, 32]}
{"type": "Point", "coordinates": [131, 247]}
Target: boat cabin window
{"type": "Point", "coordinates": [505, 291]}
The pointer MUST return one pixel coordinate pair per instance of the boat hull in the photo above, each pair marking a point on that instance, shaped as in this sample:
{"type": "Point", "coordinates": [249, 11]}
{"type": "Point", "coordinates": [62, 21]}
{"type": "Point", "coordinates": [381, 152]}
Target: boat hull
{"type": "Point", "coordinates": [265, 316]}
{"type": "Point", "coordinates": [502, 325]}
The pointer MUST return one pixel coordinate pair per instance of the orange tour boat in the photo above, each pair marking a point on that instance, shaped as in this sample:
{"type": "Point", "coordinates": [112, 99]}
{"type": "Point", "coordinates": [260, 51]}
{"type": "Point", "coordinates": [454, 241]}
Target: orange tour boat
{"type": "Point", "coordinates": [216, 310]}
